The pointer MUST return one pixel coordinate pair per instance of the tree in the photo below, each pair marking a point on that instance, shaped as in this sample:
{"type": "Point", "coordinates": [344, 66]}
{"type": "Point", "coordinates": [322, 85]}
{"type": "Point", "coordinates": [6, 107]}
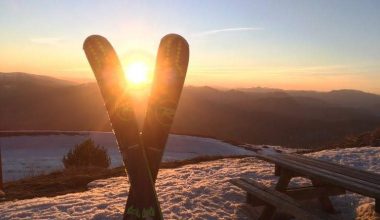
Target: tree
{"type": "Point", "coordinates": [87, 154]}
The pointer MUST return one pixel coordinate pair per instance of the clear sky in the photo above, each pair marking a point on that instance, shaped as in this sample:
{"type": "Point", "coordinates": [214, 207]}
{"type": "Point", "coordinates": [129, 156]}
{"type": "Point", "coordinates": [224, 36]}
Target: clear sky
{"type": "Point", "coordinates": [317, 45]}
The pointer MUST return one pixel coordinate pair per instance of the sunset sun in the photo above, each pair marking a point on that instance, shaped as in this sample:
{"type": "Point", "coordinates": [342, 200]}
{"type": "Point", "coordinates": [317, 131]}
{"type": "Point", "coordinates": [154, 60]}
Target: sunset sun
{"type": "Point", "coordinates": [137, 73]}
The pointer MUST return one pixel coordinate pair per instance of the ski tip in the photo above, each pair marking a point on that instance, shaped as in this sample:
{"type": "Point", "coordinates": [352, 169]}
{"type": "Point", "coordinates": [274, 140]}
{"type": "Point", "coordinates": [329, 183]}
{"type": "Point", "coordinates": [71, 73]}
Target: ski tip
{"type": "Point", "coordinates": [173, 51]}
{"type": "Point", "coordinates": [93, 38]}
{"type": "Point", "coordinates": [173, 36]}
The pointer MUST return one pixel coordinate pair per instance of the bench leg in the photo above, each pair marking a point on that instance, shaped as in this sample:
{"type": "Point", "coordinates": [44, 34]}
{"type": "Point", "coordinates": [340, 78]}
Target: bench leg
{"type": "Point", "coordinates": [327, 204]}
{"type": "Point", "coordinates": [377, 205]}
{"type": "Point", "coordinates": [267, 213]}
{"type": "Point", "coordinates": [277, 170]}
{"type": "Point", "coordinates": [324, 199]}
{"type": "Point", "coordinates": [252, 200]}
{"type": "Point", "coordinates": [283, 181]}
{"type": "Point", "coordinates": [249, 198]}
{"type": "Point", "coordinates": [268, 210]}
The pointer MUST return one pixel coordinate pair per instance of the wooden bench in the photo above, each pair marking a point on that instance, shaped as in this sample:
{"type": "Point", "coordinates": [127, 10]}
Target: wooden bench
{"type": "Point", "coordinates": [275, 201]}
{"type": "Point", "coordinates": [329, 178]}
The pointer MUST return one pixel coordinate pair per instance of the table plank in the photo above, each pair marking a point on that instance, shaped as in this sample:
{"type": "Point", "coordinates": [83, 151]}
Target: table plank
{"type": "Point", "coordinates": [338, 168]}
{"type": "Point", "coordinates": [347, 182]}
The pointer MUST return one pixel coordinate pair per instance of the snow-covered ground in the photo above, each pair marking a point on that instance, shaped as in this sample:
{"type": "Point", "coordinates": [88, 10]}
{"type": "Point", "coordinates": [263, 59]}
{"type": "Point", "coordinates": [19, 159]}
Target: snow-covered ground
{"type": "Point", "coordinates": [197, 191]}
{"type": "Point", "coordinates": [32, 155]}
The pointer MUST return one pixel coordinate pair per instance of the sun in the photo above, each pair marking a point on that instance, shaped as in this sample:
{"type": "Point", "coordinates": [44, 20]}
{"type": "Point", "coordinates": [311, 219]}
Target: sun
{"type": "Point", "coordinates": [137, 73]}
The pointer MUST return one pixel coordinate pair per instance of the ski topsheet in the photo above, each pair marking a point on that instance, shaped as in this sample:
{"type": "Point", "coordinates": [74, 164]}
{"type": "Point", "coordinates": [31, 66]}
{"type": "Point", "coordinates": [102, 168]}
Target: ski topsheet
{"type": "Point", "coordinates": [170, 72]}
{"type": "Point", "coordinates": [114, 89]}
{"type": "Point", "coordinates": [169, 77]}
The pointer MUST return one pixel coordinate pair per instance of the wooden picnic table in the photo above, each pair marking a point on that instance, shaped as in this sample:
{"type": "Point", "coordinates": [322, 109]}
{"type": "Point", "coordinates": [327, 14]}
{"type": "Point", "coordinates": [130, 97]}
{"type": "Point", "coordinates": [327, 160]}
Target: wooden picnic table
{"type": "Point", "coordinates": [327, 178]}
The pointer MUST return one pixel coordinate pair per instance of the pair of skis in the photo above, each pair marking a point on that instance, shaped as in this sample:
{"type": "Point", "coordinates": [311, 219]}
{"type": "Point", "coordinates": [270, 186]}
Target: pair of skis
{"type": "Point", "coordinates": [141, 152]}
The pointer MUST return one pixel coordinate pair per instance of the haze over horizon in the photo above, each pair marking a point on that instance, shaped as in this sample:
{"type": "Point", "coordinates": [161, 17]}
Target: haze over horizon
{"type": "Point", "coordinates": [77, 81]}
{"type": "Point", "coordinates": [321, 46]}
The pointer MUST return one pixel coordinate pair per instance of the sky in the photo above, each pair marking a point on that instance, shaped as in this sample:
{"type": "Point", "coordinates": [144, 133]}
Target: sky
{"type": "Point", "coordinates": [309, 45]}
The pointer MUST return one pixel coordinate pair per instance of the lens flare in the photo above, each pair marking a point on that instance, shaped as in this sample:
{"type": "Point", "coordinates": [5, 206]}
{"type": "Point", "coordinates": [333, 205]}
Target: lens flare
{"type": "Point", "coordinates": [137, 73]}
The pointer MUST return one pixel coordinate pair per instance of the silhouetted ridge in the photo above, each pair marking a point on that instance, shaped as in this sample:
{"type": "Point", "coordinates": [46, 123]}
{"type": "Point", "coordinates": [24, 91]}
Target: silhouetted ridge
{"type": "Point", "coordinates": [278, 117]}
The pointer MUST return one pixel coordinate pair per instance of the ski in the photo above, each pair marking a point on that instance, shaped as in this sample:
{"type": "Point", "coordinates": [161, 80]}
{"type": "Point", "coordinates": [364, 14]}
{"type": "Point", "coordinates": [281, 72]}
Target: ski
{"type": "Point", "coordinates": [170, 72]}
{"type": "Point", "coordinates": [114, 89]}
{"type": "Point", "coordinates": [171, 67]}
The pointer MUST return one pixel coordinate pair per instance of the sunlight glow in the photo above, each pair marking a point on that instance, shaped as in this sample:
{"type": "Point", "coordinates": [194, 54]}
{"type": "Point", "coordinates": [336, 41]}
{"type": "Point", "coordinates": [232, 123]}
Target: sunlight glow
{"type": "Point", "coordinates": [137, 73]}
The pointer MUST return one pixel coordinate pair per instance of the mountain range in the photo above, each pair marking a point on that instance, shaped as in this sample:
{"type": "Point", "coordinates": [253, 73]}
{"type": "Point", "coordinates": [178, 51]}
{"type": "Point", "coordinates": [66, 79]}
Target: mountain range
{"type": "Point", "coordinates": [254, 115]}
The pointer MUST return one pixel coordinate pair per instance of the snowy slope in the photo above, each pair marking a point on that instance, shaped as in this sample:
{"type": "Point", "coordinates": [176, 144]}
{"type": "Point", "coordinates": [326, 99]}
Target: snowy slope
{"type": "Point", "coordinates": [198, 191]}
{"type": "Point", "coordinates": [33, 155]}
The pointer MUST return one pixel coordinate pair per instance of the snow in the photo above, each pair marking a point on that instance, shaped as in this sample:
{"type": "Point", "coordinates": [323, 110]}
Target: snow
{"type": "Point", "coordinates": [200, 191]}
{"type": "Point", "coordinates": [365, 158]}
{"type": "Point", "coordinates": [33, 155]}
{"type": "Point", "coordinates": [196, 191]}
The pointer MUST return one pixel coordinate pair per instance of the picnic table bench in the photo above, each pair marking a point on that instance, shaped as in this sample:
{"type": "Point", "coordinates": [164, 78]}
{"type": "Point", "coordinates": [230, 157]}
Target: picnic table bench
{"type": "Point", "coordinates": [275, 200]}
{"type": "Point", "coordinates": [327, 178]}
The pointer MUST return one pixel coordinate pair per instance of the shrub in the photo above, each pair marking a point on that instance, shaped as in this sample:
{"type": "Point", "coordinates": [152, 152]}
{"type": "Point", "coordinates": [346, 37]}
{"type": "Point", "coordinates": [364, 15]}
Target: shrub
{"type": "Point", "coordinates": [87, 154]}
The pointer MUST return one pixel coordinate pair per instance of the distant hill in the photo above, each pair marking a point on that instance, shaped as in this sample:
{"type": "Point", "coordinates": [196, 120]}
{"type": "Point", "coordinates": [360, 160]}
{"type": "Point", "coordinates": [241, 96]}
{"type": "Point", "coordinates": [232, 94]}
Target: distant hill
{"type": "Point", "coordinates": [279, 117]}
{"type": "Point", "coordinates": [268, 118]}
{"type": "Point", "coordinates": [40, 102]}
{"type": "Point", "coordinates": [9, 81]}
{"type": "Point", "coordinates": [343, 98]}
